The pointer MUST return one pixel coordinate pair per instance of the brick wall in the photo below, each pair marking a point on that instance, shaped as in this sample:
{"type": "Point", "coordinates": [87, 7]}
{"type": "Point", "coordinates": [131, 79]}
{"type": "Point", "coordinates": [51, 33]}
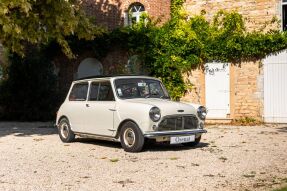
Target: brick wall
{"type": "Point", "coordinates": [110, 13]}
{"type": "Point", "coordinates": [113, 63]}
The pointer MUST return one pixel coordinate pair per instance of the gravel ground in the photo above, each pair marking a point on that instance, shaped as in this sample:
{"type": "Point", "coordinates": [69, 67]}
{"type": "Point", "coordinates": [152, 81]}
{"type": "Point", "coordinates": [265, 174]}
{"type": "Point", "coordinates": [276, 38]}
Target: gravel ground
{"type": "Point", "coordinates": [228, 158]}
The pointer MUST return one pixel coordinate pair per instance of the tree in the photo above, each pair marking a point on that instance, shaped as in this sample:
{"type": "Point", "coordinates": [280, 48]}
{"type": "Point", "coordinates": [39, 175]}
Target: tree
{"type": "Point", "coordinates": [30, 92]}
{"type": "Point", "coordinates": [34, 22]}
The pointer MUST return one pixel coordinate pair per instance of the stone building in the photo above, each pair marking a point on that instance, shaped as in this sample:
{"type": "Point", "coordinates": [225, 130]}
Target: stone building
{"type": "Point", "coordinates": [229, 91]}
{"type": "Point", "coordinates": [253, 89]}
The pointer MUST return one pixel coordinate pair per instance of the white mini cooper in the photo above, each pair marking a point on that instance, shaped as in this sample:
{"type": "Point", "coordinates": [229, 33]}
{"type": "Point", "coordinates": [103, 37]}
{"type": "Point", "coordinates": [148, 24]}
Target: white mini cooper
{"type": "Point", "coordinates": [128, 109]}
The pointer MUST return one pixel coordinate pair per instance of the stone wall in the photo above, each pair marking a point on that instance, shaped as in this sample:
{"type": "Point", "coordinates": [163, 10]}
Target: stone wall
{"type": "Point", "coordinates": [246, 80]}
{"type": "Point", "coordinates": [197, 92]}
{"type": "Point", "coordinates": [256, 12]}
{"type": "Point", "coordinates": [248, 90]}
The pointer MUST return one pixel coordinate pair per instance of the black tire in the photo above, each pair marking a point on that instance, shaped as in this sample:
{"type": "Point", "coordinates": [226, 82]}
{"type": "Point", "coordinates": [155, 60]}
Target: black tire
{"type": "Point", "coordinates": [193, 144]}
{"type": "Point", "coordinates": [132, 139]}
{"type": "Point", "coordinates": [65, 132]}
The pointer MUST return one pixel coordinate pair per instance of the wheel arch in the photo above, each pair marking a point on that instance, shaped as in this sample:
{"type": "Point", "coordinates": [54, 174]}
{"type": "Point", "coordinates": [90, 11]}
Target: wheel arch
{"type": "Point", "coordinates": [121, 125]}
{"type": "Point", "coordinates": [62, 117]}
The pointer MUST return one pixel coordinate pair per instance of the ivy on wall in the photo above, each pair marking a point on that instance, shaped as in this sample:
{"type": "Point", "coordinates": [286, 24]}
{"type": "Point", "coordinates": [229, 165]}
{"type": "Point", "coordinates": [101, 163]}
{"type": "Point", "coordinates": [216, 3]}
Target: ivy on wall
{"type": "Point", "coordinates": [168, 50]}
{"type": "Point", "coordinates": [185, 43]}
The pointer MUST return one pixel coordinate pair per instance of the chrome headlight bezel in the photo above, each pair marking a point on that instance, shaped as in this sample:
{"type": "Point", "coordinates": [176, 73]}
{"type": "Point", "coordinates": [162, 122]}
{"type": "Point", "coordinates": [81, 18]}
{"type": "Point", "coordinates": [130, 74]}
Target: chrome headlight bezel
{"type": "Point", "coordinates": [154, 114]}
{"type": "Point", "coordinates": [202, 112]}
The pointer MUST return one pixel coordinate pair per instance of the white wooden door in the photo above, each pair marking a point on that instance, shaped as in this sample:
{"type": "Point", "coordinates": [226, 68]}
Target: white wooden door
{"type": "Point", "coordinates": [217, 90]}
{"type": "Point", "coordinates": [275, 88]}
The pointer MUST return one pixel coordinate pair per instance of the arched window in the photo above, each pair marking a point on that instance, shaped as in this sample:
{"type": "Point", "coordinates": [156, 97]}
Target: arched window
{"type": "Point", "coordinates": [89, 67]}
{"type": "Point", "coordinates": [134, 13]}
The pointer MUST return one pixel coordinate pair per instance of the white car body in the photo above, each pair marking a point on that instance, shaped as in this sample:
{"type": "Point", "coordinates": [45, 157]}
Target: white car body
{"type": "Point", "coordinates": [103, 119]}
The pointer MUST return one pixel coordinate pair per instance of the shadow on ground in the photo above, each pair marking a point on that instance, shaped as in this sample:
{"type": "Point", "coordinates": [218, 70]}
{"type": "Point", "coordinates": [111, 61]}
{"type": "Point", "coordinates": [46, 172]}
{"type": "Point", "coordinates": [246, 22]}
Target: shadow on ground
{"type": "Point", "coordinates": [283, 129]}
{"type": "Point", "coordinates": [150, 147]}
{"type": "Point", "coordinates": [109, 144]}
{"type": "Point", "coordinates": [26, 129]}
{"type": "Point", "coordinates": [168, 147]}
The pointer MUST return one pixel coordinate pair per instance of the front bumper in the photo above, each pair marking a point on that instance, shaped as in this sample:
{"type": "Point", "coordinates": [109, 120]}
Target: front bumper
{"type": "Point", "coordinates": [174, 133]}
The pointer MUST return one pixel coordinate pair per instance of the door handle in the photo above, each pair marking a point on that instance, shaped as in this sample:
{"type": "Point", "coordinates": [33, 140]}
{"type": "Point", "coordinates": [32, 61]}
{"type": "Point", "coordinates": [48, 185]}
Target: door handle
{"type": "Point", "coordinates": [87, 105]}
{"type": "Point", "coordinates": [112, 110]}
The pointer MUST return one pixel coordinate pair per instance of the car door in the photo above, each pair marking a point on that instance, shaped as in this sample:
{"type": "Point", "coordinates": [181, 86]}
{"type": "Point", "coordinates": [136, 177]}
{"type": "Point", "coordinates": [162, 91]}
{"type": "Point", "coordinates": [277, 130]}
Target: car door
{"type": "Point", "coordinates": [100, 109]}
{"type": "Point", "coordinates": [77, 106]}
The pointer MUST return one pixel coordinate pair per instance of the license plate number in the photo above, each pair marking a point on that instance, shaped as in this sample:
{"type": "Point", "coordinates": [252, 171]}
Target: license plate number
{"type": "Point", "coordinates": [182, 139]}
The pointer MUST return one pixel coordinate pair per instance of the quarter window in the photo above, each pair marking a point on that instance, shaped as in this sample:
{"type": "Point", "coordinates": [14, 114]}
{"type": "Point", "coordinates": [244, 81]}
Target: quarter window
{"type": "Point", "coordinates": [94, 91]}
{"type": "Point", "coordinates": [79, 92]}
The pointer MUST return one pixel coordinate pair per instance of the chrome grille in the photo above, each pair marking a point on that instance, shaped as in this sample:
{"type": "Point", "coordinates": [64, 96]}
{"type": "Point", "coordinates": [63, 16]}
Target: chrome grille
{"type": "Point", "coordinates": [177, 122]}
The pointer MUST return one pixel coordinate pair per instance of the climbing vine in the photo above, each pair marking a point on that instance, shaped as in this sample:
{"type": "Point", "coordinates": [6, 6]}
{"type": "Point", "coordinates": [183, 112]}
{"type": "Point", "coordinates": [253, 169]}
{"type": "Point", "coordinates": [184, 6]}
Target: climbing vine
{"type": "Point", "coordinates": [167, 49]}
{"type": "Point", "coordinates": [184, 43]}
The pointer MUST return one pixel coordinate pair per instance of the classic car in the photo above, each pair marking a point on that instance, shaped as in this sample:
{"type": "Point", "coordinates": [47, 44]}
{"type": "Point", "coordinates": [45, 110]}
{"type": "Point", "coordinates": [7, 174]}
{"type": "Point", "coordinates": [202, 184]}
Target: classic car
{"type": "Point", "coordinates": [130, 110]}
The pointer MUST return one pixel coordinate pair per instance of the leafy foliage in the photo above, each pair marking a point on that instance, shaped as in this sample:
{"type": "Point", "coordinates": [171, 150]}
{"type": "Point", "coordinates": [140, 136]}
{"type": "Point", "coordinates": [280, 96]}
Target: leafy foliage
{"type": "Point", "coordinates": [186, 42]}
{"type": "Point", "coordinates": [168, 50]}
{"type": "Point", "coordinates": [25, 22]}
{"type": "Point", "coordinates": [29, 90]}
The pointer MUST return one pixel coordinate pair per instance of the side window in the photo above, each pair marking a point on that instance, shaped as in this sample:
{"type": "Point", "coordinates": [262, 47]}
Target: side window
{"type": "Point", "coordinates": [101, 92]}
{"type": "Point", "coordinates": [106, 92]}
{"type": "Point", "coordinates": [79, 92]}
{"type": "Point", "coordinates": [94, 91]}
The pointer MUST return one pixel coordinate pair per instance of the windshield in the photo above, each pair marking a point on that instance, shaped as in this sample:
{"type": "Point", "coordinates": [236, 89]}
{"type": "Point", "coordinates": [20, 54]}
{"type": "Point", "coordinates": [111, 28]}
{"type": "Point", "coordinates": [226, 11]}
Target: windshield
{"type": "Point", "coordinates": [140, 88]}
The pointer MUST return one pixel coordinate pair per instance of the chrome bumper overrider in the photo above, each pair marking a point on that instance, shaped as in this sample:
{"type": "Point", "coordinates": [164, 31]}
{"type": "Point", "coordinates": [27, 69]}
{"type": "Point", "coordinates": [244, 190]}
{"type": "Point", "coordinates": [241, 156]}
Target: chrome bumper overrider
{"type": "Point", "coordinates": [173, 133]}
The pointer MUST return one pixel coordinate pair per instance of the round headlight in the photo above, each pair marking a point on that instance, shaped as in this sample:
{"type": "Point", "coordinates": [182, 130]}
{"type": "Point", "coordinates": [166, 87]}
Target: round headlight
{"type": "Point", "coordinates": [154, 114]}
{"type": "Point", "coordinates": [202, 112]}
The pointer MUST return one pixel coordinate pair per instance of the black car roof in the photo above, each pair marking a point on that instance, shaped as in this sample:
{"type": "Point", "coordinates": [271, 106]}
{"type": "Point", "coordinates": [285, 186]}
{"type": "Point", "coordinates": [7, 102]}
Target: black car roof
{"type": "Point", "coordinates": [109, 76]}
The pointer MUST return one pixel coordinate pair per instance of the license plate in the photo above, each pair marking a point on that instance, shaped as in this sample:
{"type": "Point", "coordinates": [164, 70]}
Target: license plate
{"type": "Point", "coordinates": [182, 139]}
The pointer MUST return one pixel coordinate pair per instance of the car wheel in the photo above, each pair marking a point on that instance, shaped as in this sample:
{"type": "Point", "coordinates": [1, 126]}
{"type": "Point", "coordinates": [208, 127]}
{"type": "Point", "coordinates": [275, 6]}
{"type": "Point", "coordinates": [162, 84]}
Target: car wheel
{"type": "Point", "coordinates": [65, 132]}
{"type": "Point", "coordinates": [192, 144]}
{"type": "Point", "coordinates": [132, 139]}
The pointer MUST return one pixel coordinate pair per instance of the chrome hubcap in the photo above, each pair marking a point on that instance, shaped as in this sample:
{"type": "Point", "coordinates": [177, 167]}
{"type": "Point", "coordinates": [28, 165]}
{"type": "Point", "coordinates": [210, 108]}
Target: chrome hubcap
{"type": "Point", "coordinates": [64, 129]}
{"type": "Point", "coordinates": [129, 137]}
